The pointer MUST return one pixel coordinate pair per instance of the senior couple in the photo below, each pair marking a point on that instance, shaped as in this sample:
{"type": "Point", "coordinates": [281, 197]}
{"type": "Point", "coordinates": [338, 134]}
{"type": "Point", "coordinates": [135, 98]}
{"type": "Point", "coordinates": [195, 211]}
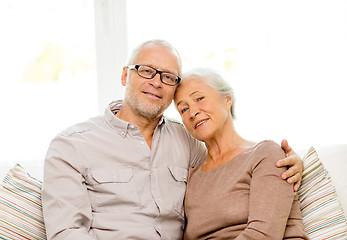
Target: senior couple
{"type": "Point", "coordinates": [124, 174]}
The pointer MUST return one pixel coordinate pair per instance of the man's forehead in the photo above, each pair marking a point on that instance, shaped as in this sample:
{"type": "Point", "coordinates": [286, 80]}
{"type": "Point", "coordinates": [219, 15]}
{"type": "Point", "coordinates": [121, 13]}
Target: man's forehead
{"type": "Point", "coordinates": [152, 49]}
{"type": "Point", "coordinates": [158, 56]}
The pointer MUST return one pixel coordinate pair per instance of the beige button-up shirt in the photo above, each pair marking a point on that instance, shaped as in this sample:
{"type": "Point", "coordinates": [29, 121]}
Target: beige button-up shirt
{"type": "Point", "coordinates": [102, 181]}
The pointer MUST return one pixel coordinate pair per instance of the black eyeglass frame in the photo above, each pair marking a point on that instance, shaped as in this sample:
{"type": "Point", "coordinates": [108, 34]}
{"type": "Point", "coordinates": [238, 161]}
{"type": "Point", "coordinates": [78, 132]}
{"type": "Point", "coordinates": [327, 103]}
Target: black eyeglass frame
{"type": "Point", "coordinates": [137, 66]}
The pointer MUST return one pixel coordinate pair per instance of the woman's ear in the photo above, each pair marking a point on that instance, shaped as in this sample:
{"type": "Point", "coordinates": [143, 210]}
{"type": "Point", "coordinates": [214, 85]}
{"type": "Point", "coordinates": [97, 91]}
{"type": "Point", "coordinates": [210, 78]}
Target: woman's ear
{"type": "Point", "coordinates": [229, 101]}
{"type": "Point", "coordinates": [124, 76]}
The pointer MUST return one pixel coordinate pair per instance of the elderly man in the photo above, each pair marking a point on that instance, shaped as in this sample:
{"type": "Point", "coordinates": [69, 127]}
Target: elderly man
{"type": "Point", "coordinates": [123, 175]}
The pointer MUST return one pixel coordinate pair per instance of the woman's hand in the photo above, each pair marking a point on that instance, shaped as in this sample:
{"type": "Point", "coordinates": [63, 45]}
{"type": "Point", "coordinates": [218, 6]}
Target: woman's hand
{"type": "Point", "coordinates": [294, 162]}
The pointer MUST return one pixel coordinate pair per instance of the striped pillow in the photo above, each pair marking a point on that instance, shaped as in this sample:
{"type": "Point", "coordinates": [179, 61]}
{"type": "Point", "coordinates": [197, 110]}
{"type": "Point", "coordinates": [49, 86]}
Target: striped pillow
{"type": "Point", "coordinates": [20, 206]}
{"type": "Point", "coordinates": [323, 216]}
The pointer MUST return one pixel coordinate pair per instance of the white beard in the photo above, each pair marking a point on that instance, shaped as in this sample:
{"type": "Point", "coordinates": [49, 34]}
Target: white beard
{"type": "Point", "coordinates": [147, 111]}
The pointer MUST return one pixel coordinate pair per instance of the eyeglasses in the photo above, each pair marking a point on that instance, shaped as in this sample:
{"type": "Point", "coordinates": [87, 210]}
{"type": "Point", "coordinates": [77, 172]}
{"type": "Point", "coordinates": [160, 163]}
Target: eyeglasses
{"type": "Point", "coordinates": [149, 73]}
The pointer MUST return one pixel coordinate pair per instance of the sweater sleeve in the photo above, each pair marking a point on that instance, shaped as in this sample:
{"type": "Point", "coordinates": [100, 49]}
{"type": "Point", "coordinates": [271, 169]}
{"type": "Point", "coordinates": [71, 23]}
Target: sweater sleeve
{"type": "Point", "coordinates": [270, 199]}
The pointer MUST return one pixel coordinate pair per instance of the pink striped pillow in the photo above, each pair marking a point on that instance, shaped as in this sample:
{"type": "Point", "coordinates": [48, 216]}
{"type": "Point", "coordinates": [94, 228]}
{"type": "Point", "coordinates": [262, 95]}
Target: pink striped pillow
{"type": "Point", "coordinates": [322, 214]}
{"type": "Point", "coordinates": [20, 206]}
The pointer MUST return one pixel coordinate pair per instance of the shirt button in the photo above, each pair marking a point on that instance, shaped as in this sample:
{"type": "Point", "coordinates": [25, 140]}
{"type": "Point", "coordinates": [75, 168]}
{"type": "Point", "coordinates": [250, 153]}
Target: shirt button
{"type": "Point", "coordinates": [142, 142]}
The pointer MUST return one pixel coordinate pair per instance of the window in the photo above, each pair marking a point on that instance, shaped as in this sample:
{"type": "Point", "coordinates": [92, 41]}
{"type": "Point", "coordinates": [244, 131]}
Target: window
{"type": "Point", "coordinates": [48, 79]}
{"type": "Point", "coordinates": [285, 60]}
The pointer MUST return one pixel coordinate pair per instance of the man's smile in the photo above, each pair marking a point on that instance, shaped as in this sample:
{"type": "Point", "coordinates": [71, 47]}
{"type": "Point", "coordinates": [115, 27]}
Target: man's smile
{"type": "Point", "coordinates": [152, 95]}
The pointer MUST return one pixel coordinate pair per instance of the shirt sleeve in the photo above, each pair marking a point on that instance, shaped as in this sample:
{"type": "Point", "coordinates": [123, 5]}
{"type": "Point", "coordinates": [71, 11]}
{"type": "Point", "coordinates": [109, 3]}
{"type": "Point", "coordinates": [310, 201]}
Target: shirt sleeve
{"type": "Point", "coordinates": [271, 198]}
{"type": "Point", "coordinates": [198, 151]}
{"type": "Point", "coordinates": [66, 205]}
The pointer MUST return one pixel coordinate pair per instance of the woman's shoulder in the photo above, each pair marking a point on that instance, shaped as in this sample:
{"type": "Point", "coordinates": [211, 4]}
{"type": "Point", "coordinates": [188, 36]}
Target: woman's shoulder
{"type": "Point", "coordinates": [267, 145]}
{"type": "Point", "coordinates": [268, 150]}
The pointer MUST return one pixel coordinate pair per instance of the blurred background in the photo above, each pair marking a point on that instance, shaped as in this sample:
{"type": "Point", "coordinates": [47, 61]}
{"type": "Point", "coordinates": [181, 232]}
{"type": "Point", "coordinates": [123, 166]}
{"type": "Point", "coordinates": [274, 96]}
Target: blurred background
{"type": "Point", "coordinates": [61, 63]}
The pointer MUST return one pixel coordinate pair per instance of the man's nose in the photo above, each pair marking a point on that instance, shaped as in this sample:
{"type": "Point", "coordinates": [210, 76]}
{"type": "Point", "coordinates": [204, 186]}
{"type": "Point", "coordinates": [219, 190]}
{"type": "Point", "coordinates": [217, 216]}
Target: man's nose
{"type": "Point", "coordinates": [156, 81]}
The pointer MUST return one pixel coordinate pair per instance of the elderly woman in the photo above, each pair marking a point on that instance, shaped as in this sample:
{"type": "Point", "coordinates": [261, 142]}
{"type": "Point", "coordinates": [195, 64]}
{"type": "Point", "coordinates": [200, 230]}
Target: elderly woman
{"type": "Point", "coordinates": [237, 192]}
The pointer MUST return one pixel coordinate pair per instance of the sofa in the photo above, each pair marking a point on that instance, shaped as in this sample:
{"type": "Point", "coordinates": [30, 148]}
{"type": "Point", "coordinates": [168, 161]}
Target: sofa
{"type": "Point", "coordinates": [322, 194]}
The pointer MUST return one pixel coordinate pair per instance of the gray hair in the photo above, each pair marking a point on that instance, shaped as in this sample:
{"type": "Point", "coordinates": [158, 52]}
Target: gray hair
{"type": "Point", "coordinates": [135, 53]}
{"type": "Point", "coordinates": [214, 80]}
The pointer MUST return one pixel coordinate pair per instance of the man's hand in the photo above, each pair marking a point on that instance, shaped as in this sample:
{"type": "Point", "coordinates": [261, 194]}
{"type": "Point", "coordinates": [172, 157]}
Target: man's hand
{"type": "Point", "coordinates": [293, 161]}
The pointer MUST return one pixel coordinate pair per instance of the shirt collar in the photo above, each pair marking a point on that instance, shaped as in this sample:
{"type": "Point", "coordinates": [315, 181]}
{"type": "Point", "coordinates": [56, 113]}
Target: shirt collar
{"type": "Point", "coordinates": [120, 125]}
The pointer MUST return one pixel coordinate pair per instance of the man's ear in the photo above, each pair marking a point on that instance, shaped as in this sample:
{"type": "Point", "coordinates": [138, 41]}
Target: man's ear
{"type": "Point", "coordinates": [124, 76]}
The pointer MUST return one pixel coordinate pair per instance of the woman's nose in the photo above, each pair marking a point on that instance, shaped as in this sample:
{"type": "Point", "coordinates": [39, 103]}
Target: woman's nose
{"type": "Point", "coordinates": [194, 112]}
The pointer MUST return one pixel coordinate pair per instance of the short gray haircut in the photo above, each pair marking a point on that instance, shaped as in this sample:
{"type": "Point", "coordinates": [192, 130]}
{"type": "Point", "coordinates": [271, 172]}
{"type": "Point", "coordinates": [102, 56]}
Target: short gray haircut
{"type": "Point", "coordinates": [214, 80]}
{"type": "Point", "coordinates": [135, 53]}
